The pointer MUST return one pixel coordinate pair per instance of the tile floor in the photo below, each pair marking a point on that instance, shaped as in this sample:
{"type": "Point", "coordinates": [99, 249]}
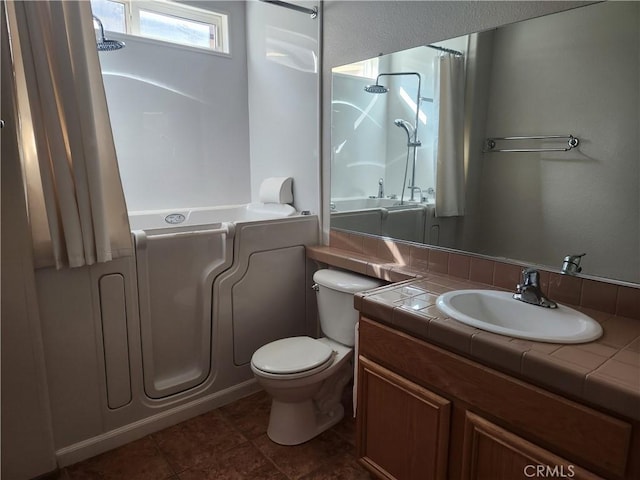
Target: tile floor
{"type": "Point", "coordinates": [229, 443]}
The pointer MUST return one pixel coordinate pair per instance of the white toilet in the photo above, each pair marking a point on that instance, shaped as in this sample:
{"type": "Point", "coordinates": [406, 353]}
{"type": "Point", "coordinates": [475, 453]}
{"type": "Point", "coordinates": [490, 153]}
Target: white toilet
{"type": "Point", "coordinates": [304, 376]}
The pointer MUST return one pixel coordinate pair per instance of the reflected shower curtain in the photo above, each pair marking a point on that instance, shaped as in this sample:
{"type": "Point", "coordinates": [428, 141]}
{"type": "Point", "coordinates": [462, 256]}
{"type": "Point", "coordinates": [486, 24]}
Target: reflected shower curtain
{"type": "Point", "coordinates": [75, 201]}
{"type": "Point", "coordinates": [449, 144]}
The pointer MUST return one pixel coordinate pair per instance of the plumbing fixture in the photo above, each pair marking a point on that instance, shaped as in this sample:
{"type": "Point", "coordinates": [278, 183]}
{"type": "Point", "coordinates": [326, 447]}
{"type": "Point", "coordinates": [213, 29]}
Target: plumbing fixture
{"type": "Point", "coordinates": [103, 44]}
{"type": "Point", "coordinates": [412, 188]}
{"type": "Point", "coordinates": [376, 88]}
{"type": "Point", "coordinates": [529, 290]}
{"type": "Point", "coordinates": [381, 188]}
{"type": "Point", "coordinates": [571, 264]}
{"type": "Point", "coordinates": [407, 127]}
{"type": "Point", "coordinates": [411, 133]}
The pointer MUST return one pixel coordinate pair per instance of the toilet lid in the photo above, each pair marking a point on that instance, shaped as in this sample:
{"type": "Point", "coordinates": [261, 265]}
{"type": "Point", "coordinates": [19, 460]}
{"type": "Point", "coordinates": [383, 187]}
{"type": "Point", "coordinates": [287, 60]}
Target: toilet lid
{"type": "Point", "coordinates": [291, 355]}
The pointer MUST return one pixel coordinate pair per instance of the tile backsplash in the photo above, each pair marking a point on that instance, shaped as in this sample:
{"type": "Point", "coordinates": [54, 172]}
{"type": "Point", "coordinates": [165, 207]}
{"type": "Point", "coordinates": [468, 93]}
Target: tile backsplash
{"type": "Point", "coordinates": [371, 252]}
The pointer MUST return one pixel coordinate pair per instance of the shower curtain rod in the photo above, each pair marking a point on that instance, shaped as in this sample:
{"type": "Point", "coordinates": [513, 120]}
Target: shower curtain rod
{"type": "Point", "coordinates": [313, 12]}
{"type": "Point", "coordinates": [443, 49]}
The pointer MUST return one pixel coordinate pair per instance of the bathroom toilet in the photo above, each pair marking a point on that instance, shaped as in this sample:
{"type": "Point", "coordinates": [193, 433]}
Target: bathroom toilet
{"type": "Point", "coordinates": [305, 376]}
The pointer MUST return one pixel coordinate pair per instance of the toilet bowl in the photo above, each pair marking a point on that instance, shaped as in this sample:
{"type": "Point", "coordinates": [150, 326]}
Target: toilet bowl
{"type": "Point", "coordinates": [305, 376]}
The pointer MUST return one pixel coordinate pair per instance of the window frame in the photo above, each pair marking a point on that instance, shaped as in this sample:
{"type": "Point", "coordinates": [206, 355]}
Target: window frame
{"type": "Point", "coordinates": [219, 21]}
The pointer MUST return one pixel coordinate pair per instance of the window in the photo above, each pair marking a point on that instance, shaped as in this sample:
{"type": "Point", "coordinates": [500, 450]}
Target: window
{"type": "Point", "coordinates": [166, 21]}
{"type": "Point", "coordinates": [365, 68]}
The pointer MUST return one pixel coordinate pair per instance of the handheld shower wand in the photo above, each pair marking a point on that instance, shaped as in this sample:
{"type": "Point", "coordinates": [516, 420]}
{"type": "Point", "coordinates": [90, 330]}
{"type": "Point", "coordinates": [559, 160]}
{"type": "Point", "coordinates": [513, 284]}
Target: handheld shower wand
{"type": "Point", "coordinates": [407, 127]}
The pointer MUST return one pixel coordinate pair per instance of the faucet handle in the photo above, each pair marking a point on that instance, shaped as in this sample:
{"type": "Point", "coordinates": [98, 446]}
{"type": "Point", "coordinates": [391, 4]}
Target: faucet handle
{"type": "Point", "coordinates": [571, 264]}
{"type": "Point", "coordinates": [530, 277]}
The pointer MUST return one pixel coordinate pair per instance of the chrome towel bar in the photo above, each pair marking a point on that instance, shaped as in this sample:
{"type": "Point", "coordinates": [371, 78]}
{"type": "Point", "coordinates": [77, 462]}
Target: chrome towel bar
{"type": "Point", "coordinates": [572, 142]}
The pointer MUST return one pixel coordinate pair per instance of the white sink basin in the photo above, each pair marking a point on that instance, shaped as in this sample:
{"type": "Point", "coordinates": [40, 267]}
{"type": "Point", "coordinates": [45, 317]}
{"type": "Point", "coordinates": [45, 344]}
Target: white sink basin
{"type": "Point", "coordinates": [499, 312]}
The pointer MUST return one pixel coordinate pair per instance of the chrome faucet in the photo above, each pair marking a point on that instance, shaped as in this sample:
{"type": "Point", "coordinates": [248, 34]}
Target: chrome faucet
{"type": "Point", "coordinates": [571, 264]}
{"type": "Point", "coordinates": [529, 290]}
{"type": "Point", "coordinates": [381, 188]}
{"type": "Point", "coordinates": [413, 189]}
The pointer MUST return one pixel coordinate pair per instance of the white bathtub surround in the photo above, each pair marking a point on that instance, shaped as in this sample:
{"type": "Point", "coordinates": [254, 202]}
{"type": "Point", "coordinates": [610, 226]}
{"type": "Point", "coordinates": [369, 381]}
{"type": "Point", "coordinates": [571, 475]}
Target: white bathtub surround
{"type": "Point", "coordinates": [283, 60]}
{"type": "Point", "coordinates": [74, 196]}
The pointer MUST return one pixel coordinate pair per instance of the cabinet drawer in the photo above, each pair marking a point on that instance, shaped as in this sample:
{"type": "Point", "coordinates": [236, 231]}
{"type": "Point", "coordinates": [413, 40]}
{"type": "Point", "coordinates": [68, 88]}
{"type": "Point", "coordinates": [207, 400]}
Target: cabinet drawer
{"type": "Point", "coordinates": [572, 430]}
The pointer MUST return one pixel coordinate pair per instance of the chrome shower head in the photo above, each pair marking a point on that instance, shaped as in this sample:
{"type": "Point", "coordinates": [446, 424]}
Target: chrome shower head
{"type": "Point", "coordinates": [376, 88]}
{"type": "Point", "coordinates": [109, 45]}
{"type": "Point", "coordinates": [103, 44]}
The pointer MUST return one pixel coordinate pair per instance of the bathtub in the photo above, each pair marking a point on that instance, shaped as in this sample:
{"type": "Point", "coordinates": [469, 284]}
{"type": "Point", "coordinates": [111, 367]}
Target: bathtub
{"type": "Point", "coordinates": [214, 284]}
{"type": "Point", "coordinates": [187, 218]}
{"type": "Point", "coordinates": [412, 221]}
{"type": "Point", "coordinates": [168, 333]}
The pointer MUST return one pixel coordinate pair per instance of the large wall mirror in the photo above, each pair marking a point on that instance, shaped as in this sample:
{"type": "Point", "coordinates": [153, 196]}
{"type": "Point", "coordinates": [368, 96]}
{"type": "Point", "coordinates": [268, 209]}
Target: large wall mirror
{"type": "Point", "coordinates": [427, 143]}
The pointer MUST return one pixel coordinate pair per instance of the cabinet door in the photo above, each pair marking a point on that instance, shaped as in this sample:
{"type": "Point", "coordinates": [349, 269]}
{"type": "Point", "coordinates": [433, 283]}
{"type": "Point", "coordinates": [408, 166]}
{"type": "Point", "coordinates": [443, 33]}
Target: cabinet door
{"type": "Point", "coordinates": [403, 428]}
{"type": "Point", "coordinates": [492, 453]}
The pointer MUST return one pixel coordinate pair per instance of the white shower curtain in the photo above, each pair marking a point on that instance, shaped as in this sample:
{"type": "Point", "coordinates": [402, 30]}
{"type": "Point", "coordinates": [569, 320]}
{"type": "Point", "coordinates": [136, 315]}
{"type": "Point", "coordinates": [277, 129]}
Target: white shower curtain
{"type": "Point", "coordinates": [449, 144]}
{"type": "Point", "coordinates": [75, 200]}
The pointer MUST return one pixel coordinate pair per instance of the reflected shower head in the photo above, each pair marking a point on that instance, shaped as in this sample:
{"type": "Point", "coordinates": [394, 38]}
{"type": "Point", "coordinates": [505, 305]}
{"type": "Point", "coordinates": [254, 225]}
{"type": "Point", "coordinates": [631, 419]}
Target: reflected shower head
{"type": "Point", "coordinates": [103, 44]}
{"type": "Point", "coordinates": [376, 88]}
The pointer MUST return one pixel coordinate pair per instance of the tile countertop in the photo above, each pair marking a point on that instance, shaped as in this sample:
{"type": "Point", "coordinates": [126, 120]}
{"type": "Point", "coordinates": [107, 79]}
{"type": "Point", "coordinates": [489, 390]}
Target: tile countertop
{"type": "Point", "coordinates": [604, 373]}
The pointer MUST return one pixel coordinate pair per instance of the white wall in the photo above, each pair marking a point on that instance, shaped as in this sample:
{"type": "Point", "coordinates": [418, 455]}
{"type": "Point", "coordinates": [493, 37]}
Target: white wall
{"type": "Point", "coordinates": [180, 119]}
{"type": "Point", "coordinates": [283, 69]}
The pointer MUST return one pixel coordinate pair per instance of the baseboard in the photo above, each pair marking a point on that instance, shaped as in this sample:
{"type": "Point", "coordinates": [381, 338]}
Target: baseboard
{"type": "Point", "coordinates": [115, 438]}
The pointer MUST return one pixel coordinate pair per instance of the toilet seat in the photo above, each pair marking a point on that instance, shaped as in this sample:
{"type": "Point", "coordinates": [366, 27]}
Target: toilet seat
{"type": "Point", "coordinates": [292, 357]}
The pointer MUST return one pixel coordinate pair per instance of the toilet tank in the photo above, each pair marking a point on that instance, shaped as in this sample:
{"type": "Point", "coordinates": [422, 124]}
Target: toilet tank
{"type": "Point", "coordinates": [337, 316]}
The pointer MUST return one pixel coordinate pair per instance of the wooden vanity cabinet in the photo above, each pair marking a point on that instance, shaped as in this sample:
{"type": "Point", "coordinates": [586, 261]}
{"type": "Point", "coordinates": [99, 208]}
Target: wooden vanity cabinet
{"type": "Point", "coordinates": [404, 427]}
{"type": "Point", "coordinates": [426, 413]}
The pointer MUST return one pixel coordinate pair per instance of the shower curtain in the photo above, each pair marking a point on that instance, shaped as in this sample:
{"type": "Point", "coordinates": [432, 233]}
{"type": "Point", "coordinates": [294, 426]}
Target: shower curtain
{"type": "Point", "coordinates": [449, 143]}
{"type": "Point", "coordinates": [75, 200]}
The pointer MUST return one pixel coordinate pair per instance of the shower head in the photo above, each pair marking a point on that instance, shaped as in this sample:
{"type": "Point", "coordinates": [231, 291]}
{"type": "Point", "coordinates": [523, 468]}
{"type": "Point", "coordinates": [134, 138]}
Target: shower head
{"type": "Point", "coordinates": [103, 44]}
{"type": "Point", "coordinates": [109, 45]}
{"type": "Point", "coordinates": [376, 88]}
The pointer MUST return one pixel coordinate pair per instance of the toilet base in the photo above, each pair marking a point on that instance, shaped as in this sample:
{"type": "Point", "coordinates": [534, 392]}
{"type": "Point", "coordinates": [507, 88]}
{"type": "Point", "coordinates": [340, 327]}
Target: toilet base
{"type": "Point", "coordinates": [296, 423]}
{"type": "Point", "coordinates": [292, 423]}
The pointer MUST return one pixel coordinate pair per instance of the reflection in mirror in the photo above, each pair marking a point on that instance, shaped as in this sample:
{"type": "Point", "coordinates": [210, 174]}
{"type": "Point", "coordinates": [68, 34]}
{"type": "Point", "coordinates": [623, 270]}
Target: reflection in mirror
{"type": "Point", "coordinates": [572, 73]}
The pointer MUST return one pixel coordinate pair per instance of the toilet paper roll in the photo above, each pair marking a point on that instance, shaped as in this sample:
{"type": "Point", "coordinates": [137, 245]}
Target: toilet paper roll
{"type": "Point", "coordinates": [276, 190]}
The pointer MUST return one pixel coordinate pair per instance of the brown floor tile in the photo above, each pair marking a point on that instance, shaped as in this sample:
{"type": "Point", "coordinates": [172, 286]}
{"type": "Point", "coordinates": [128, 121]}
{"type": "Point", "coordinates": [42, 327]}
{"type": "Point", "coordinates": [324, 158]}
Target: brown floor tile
{"type": "Point", "coordinates": [198, 442]}
{"type": "Point", "coordinates": [229, 443]}
{"type": "Point", "coordinates": [139, 460]}
{"type": "Point", "coordinates": [342, 467]}
{"type": "Point", "coordinates": [347, 426]}
{"type": "Point", "coordinates": [56, 475]}
{"type": "Point", "coordinates": [300, 460]}
{"type": "Point", "coordinates": [244, 462]}
{"type": "Point", "coordinates": [250, 415]}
